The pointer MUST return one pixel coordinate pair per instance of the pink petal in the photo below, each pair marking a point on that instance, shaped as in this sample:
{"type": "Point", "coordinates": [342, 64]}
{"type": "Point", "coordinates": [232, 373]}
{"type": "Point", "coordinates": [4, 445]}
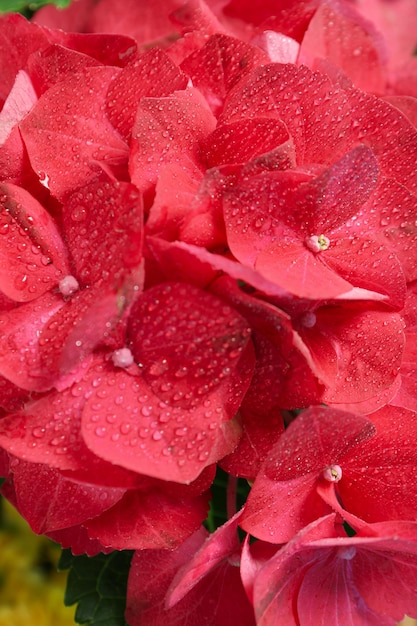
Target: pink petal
{"type": "Point", "coordinates": [341, 36]}
{"type": "Point", "coordinates": [20, 101]}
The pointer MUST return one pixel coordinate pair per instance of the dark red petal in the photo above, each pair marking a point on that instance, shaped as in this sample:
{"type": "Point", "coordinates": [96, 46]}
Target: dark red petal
{"type": "Point", "coordinates": [103, 225]}
{"type": "Point", "coordinates": [142, 520]}
{"type": "Point", "coordinates": [57, 502]}
{"type": "Point", "coordinates": [76, 538]}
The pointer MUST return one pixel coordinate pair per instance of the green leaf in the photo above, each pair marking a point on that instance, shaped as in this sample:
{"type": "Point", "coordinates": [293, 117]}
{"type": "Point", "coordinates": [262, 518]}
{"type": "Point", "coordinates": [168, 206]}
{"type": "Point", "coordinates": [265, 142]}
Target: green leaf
{"type": "Point", "coordinates": [98, 584]}
{"type": "Point", "coordinates": [23, 6]}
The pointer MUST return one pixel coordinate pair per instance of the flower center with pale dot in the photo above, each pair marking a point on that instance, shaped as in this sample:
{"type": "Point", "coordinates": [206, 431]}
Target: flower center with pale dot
{"type": "Point", "coordinates": [347, 553]}
{"type": "Point", "coordinates": [68, 285]}
{"type": "Point", "coordinates": [122, 358]}
{"type": "Point", "coordinates": [317, 243]}
{"type": "Point", "coordinates": [332, 473]}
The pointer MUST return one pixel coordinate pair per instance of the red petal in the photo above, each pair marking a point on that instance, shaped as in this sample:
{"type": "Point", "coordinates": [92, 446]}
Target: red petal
{"type": "Point", "coordinates": [103, 225]}
{"type": "Point", "coordinates": [219, 546]}
{"type": "Point", "coordinates": [127, 424]}
{"type": "Point", "coordinates": [84, 142]}
{"type": "Point", "coordinates": [378, 483]}
{"type": "Point", "coordinates": [152, 75]}
{"type": "Point", "coordinates": [33, 255]}
{"type": "Point", "coordinates": [57, 502]}
{"type": "Point", "coordinates": [368, 344]}
{"type": "Point", "coordinates": [155, 520]}
{"type": "Point", "coordinates": [192, 342]}
{"type": "Point", "coordinates": [168, 130]}
{"type": "Point", "coordinates": [142, 21]}
{"type": "Point", "coordinates": [218, 599]}
{"type": "Point", "coordinates": [77, 539]}
{"type": "Point", "coordinates": [54, 64]}
{"type": "Point", "coordinates": [20, 360]}
{"type": "Point", "coordinates": [18, 39]}
{"type": "Point", "coordinates": [242, 141]}
{"type": "Point", "coordinates": [219, 65]}
{"type": "Point", "coordinates": [283, 498]}
{"type": "Point", "coordinates": [48, 431]}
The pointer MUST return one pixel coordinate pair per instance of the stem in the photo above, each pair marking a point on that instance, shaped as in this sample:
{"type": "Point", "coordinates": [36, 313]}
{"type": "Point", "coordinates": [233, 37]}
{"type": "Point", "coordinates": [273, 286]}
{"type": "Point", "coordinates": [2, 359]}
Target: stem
{"type": "Point", "coordinates": [231, 496]}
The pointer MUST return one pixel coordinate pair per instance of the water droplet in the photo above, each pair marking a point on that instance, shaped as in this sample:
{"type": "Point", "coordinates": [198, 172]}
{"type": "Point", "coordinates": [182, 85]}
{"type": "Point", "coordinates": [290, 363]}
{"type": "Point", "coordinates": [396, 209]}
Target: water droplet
{"type": "Point", "coordinates": [38, 432]}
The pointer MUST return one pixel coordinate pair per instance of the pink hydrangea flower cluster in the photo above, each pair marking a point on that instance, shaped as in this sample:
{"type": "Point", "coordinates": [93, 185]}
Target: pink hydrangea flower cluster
{"type": "Point", "coordinates": [208, 246]}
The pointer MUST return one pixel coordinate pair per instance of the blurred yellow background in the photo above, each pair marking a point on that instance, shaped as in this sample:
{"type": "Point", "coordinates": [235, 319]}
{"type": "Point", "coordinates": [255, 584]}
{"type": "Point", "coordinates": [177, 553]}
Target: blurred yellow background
{"type": "Point", "coordinates": [31, 589]}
